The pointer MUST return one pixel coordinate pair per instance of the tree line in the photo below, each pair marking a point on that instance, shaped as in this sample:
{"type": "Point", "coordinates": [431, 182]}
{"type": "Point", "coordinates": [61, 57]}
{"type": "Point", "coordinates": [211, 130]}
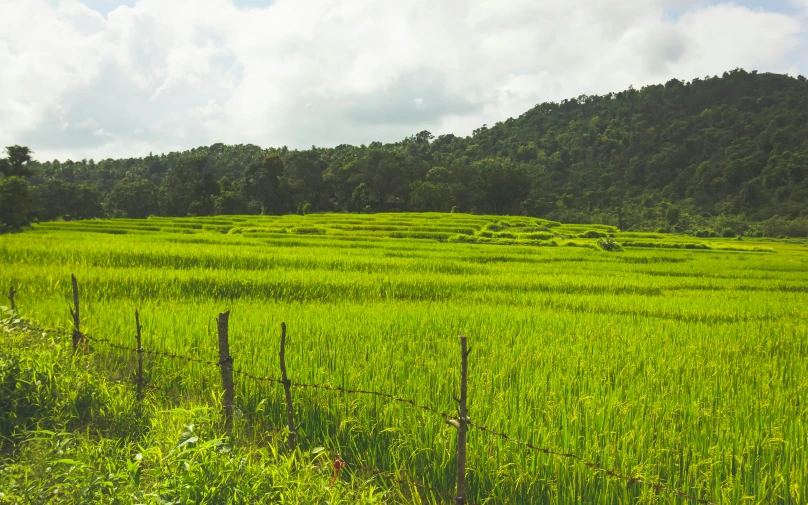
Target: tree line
{"type": "Point", "coordinates": [721, 155]}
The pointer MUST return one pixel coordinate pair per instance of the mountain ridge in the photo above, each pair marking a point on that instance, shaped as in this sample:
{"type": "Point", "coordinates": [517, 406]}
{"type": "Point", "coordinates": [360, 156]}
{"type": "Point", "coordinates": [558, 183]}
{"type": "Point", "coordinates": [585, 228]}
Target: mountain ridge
{"type": "Point", "coordinates": [725, 155]}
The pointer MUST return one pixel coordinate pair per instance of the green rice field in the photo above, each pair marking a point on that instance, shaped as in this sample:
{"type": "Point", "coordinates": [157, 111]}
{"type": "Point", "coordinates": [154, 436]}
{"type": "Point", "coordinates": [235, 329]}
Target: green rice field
{"type": "Point", "coordinates": [677, 360]}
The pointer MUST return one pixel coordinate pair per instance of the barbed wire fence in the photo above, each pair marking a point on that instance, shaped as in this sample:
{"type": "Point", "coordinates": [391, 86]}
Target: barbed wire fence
{"type": "Point", "coordinates": [460, 420]}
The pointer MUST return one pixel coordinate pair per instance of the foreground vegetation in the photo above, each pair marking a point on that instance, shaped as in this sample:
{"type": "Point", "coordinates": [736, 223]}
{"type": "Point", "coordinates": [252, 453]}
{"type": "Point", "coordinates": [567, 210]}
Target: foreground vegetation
{"type": "Point", "coordinates": [70, 435]}
{"type": "Point", "coordinates": [725, 155]}
{"type": "Point", "coordinates": [674, 359]}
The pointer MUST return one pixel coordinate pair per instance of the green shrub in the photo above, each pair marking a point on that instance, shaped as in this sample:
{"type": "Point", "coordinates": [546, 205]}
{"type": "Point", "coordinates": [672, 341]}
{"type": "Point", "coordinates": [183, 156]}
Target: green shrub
{"type": "Point", "coordinates": [308, 231]}
{"type": "Point", "coordinates": [609, 244]}
{"type": "Point", "coordinates": [779, 226]}
{"type": "Point", "coordinates": [41, 387]}
{"type": "Point", "coordinates": [592, 234]}
{"type": "Point", "coordinates": [79, 438]}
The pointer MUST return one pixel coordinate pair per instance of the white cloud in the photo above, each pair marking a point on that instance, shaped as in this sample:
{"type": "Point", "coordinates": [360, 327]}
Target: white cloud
{"type": "Point", "coordinates": [165, 75]}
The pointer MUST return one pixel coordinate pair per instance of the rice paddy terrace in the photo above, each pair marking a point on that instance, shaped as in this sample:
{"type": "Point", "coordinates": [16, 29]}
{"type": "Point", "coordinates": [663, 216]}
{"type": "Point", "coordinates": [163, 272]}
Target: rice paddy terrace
{"type": "Point", "coordinates": [679, 360]}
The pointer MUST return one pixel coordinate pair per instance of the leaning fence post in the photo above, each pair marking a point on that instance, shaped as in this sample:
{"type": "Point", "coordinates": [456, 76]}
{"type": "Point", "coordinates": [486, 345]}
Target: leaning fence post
{"type": "Point", "coordinates": [11, 293]}
{"type": "Point", "coordinates": [287, 387]}
{"type": "Point", "coordinates": [139, 358]}
{"type": "Point", "coordinates": [226, 367]}
{"type": "Point", "coordinates": [75, 313]}
{"type": "Point", "coordinates": [462, 424]}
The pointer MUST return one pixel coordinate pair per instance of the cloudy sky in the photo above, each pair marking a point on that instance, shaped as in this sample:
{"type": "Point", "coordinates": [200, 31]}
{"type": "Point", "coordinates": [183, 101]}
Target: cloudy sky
{"type": "Point", "coordinates": [112, 78]}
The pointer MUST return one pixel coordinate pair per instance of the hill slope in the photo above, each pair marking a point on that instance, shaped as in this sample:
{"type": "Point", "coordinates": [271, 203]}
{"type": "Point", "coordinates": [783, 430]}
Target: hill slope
{"type": "Point", "coordinates": [727, 153]}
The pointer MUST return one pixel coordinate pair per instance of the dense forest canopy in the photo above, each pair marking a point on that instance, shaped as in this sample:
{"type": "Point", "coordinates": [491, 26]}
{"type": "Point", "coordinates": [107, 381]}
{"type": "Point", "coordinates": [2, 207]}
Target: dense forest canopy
{"type": "Point", "coordinates": [725, 155]}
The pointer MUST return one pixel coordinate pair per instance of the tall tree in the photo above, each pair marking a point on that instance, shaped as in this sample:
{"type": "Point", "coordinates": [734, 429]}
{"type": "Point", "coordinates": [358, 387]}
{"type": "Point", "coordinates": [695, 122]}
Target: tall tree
{"type": "Point", "coordinates": [189, 189]}
{"type": "Point", "coordinates": [16, 204]}
{"type": "Point", "coordinates": [383, 171]}
{"type": "Point", "coordinates": [16, 163]}
{"type": "Point", "coordinates": [261, 182]}
{"type": "Point", "coordinates": [134, 198]}
{"type": "Point", "coordinates": [59, 199]}
{"type": "Point", "coordinates": [303, 176]}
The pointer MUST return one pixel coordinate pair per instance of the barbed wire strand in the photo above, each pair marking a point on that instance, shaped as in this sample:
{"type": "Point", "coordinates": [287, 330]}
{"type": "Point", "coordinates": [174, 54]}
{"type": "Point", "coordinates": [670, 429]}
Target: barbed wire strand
{"type": "Point", "coordinates": [594, 466]}
{"type": "Point", "coordinates": [301, 385]}
{"type": "Point", "coordinates": [412, 403]}
{"type": "Point", "coordinates": [382, 473]}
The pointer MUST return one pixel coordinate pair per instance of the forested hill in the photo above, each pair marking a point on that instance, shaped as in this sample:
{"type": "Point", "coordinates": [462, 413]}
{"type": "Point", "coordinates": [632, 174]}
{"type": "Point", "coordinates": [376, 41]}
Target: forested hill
{"type": "Point", "coordinates": [727, 154]}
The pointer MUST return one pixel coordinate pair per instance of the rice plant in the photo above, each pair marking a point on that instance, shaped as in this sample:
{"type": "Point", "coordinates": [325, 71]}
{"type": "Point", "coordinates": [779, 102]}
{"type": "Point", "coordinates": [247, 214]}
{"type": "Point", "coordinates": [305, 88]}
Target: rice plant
{"type": "Point", "coordinates": [678, 360]}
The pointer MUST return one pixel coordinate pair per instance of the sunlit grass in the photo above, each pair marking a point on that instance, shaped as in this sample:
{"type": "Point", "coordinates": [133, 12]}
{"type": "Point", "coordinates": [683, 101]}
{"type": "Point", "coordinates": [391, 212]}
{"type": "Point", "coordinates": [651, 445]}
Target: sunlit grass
{"type": "Point", "coordinates": [681, 365]}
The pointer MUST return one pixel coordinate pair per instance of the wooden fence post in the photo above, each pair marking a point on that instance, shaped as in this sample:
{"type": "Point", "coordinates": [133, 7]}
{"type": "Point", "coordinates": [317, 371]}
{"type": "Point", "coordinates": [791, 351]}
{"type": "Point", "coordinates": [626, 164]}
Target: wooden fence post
{"type": "Point", "coordinates": [226, 367]}
{"type": "Point", "coordinates": [462, 423]}
{"type": "Point", "coordinates": [11, 293]}
{"type": "Point", "coordinates": [75, 313]}
{"type": "Point", "coordinates": [287, 387]}
{"type": "Point", "coordinates": [139, 358]}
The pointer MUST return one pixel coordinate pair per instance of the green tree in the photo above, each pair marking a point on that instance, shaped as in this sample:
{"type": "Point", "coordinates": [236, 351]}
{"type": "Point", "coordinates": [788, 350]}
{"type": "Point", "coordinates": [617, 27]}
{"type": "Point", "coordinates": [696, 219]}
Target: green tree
{"type": "Point", "coordinates": [16, 204]}
{"type": "Point", "coordinates": [303, 176]}
{"type": "Point", "coordinates": [134, 198]}
{"type": "Point", "coordinates": [261, 182]}
{"type": "Point", "coordinates": [502, 185]}
{"type": "Point", "coordinates": [67, 200]}
{"type": "Point", "coordinates": [439, 193]}
{"type": "Point", "coordinates": [17, 162]}
{"type": "Point", "coordinates": [360, 196]}
{"type": "Point", "coordinates": [383, 172]}
{"type": "Point", "coordinates": [189, 189]}
{"type": "Point", "coordinates": [230, 203]}
{"type": "Point", "coordinates": [672, 215]}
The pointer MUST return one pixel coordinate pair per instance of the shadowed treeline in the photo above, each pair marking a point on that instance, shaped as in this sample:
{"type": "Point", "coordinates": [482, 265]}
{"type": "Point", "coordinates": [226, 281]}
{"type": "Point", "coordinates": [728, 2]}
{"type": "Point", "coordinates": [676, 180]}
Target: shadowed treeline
{"type": "Point", "coordinates": [716, 156]}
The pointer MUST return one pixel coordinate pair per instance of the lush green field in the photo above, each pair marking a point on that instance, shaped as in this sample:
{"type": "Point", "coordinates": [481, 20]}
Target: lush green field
{"type": "Point", "coordinates": [677, 360]}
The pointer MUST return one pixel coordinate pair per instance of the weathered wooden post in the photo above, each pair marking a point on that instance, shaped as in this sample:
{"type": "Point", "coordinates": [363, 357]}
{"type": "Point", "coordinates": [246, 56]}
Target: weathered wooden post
{"type": "Point", "coordinates": [11, 293]}
{"type": "Point", "coordinates": [461, 423]}
{"type": "Point", "coordinates": [287, 388]}
{"type": "Point", "coordinates": [139, 358]}
{"type": "Point", "coordinates": [75, 313]}
{"type": "Point", "coordinates": [226, 367]}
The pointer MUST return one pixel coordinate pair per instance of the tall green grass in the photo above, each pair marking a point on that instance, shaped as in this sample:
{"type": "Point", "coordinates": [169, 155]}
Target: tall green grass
{"type": "Point", "coordinates": [683, 365]}
{"type": "Point", "coordinates": [72, 434]}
